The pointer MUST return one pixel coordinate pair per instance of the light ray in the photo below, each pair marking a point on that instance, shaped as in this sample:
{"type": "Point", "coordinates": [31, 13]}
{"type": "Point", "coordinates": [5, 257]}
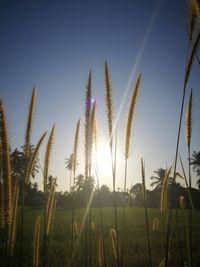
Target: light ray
{"type": "Point", "coordinates": [137, 61]}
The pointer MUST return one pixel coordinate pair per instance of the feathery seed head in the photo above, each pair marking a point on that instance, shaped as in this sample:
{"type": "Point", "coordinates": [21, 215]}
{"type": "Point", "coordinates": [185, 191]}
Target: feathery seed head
{"type": "Point", "coordinates": [87, 125]}
{"type": "Point", "coordinates": [6, 170]}
{"type": "Point", "coordinates": [29, 124]}
{"type": "Point", "coordinates": [188, 120]}
{"type": "Point", "coordinates": [196, 9]}
{"type": "Point", "coordinates": [113, 237]}
{"type": "Point", "coordinates": [164, 190]}
{"type": "Point", "coordinates": [75, 149]}
{"type": "Point", "coordinates": [109, 102]}
{"type": "Point", "coordinates": [130, 116]}
{"type": "Point", "coordinates": [192, 20]}
{"type": "Point", "coordinates": [190, 60]}
{"type": "Point", "coordinates": [182, 202]}
{"type": "Point", "coordinates": [33, 159]}
{"type": "Point", "coordinates": [47, 157]}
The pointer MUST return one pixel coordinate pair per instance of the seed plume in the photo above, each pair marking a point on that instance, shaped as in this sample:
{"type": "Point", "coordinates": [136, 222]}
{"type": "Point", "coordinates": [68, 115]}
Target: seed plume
{"type": "Point", "coordinates": [130, 116]}
{"type": "Point", "coordinates": [6, 170]}
{"type": "Point", "coordinates": [164, 190]}
{"type": "Point", "coordinates": [196, 6]}
{"type": "Point", "coordinates": [33, 159]}
{"type": "Point", "coordinates": [188, 120]}
{"type": "Point", "coordinates": [29, 124]}
{"type": "Point", "coordinates": [87, 123]}
{"type": "Point", "coordinates": [109, 102]}
{"type": "Point", "coordinates": [113, 237]}
{"type": "Point", "coordinates": [76, 142]}
{"type": "Point", "coordinates": [190, 60]}
{"type": "Point", "coordinates": [47, 157]}
{"type": "Point", "coordinates": [192, 21]}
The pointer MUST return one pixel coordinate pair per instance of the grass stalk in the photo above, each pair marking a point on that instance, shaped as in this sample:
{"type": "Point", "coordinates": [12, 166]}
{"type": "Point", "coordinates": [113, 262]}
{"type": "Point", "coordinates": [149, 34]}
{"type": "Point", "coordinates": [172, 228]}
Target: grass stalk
{"type": "Point", "coordinates": [36, 243]}
{"type": "Point", "coordinates": [52, 230]}
{"type": "Point", "coordinates": [146, 213]}
{"type": "Point", "coordinates": [45, 177]}
{"type": "Point", "coordinates": [101, 253]}
{"type": "Point", "coordinates": [12, 242]}
{"type": "Point", "coordinates": [182, 205]}
{"type": "Point", "coordinates": [188, 134]}
{"type": "Point", "coordinates": [27, 152]}
{"type": "Point", "coordinates": [6, 175]}
{"type": "Point", "coordinates": [27, 145]}
{"type": "Point", "coordinates": [187, 73]}
{"type": "Point", "coordinates": [74, 165]}
{"type": "Point", "coordinates": [33, 159]}
{"type": "Point", "coordinates": [109, 110]}
{"type": "Point", "coordinates": [87, 156]}
{"type": "Point", "coordinates": [102, 249]}
{"type": "Point", "coordinates": [187, 185]}
{"type": "Point", "coordinates": [127, 148]}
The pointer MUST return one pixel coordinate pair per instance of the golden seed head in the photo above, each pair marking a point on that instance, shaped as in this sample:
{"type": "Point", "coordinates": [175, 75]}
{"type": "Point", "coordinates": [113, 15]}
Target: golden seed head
{"type": "Point", "coordinates": [182, 202]}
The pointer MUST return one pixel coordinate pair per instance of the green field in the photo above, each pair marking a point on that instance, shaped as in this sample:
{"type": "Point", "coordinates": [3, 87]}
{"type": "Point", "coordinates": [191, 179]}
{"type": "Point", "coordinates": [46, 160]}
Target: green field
{"type": "Point", "coordinates": [136, 253]}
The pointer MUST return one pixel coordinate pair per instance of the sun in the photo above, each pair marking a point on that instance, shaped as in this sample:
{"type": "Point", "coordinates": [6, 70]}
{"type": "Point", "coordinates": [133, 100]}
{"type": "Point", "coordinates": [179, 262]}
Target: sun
{"type": "Point", "coordinates": [102, 159]}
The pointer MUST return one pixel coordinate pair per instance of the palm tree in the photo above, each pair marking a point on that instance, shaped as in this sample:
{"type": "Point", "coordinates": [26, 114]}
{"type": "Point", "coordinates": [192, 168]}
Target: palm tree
{"type": "Point", "coordinates": [158, 180]}
{"type": "Point", "coordinates": [79, 182]}
{"type": "Point", "coordinates": [20, 162]}
{"type": "Point", "coordinates": [195, 161]}
{"type": "Point", "coordinates": [82, 185]}
{"type": "Point", "coordinates": [70, 166]}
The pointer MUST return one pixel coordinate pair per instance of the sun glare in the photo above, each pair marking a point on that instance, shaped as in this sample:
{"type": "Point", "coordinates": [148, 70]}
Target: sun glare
{"type": "Point", "coordinates": [102, 159]}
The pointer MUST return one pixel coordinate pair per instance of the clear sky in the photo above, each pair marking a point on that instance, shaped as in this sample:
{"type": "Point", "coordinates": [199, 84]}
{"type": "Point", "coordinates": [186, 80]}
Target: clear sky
{"type": "Point", "coordinates": [54, 44]}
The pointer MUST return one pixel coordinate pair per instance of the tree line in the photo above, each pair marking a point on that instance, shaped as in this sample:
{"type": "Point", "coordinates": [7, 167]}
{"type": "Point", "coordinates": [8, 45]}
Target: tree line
{"type": "Point", "coordinates": [101, 195]}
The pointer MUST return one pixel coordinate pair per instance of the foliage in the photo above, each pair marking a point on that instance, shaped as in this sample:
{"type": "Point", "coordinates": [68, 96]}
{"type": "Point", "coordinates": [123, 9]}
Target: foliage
{"type": "Point", "coordinates": [195, 162]}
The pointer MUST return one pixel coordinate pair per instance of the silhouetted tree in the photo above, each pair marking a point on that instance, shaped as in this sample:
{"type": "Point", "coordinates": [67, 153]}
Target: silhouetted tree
{"type": "Point", "coordinates": [19, 164]}
{"type": "Point", "coordinates": [136, 194]}
{"type": "Point", "coordinates": [195, 161]}
{"type": "Point", "coordinates": [158, 180]}
{"type": "Point", "coordinates": [106, 196]}
{"type": "Point", "coordinates": [69, 163]}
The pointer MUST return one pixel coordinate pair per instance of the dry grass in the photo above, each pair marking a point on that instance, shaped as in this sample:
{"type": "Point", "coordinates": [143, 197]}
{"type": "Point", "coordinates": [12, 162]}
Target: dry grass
{"type": "Point", "coordinates": [27, 144]}
{"type": "Point", "coordinates": [130, 116]}
{"type": "Point", "coordinates": [6, 173]}
{"type": "Point", "coordinates": [33, 159]}
{"type": "Point", "coordinates": [109, 103]}
{"type": "Point", "coordinates": [188, 121]}
{"type": "Point", "coordinates": [47, 158]}
{"type": "Point", "coordinates": [36, 243]}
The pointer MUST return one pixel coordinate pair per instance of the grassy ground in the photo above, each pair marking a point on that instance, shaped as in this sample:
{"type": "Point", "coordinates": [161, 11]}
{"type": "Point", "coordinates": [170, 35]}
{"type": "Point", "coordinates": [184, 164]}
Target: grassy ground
{"type": "Point", "coordinates": [136, 253]}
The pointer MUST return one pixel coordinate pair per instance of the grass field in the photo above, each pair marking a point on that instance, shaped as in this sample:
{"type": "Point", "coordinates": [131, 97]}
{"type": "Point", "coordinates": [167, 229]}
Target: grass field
{"type": "Point", "coordinates": [136, 253]}
{"type": "Point", "coordinates": [105, 237]}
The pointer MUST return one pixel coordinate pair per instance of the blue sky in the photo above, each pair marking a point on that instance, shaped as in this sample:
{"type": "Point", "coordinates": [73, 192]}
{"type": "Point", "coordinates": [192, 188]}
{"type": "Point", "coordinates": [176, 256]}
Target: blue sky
{"type": "Point", "coordinates": [54, 44]}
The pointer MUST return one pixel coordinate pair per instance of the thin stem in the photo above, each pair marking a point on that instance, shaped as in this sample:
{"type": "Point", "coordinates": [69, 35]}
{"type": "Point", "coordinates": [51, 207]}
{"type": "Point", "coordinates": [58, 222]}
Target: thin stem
{"type": "Point", "coordinates": [52, 230]}
{"type": "Point", "coordinates": [123, 213]}
{"type": "Point", "coordinates": [190, 210]}
{"type": "Point", "coordinates": [72, 222]}
{"type": "Point", "coordinates": [21, 222]}
{"type": "Point", "coordinates": [146, 213]}
{"type": "Point", "coordinates": [174, 176]}
{"type": "Point", "coordinates": [114, 198]}
{"type": "Point", "coordinates": [45, 227]}
{"type": "Point", "coordinates": [100, 205]}
{"type": "Point", "coordinates": [179, 238]}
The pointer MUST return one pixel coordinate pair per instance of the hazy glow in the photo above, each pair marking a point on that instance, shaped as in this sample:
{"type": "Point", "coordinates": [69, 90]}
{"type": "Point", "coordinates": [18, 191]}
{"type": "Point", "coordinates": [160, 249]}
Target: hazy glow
{"type": "Point", "coordinates": [133, 39]}
{"type": "Point", "coordinates": [102, 160]}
